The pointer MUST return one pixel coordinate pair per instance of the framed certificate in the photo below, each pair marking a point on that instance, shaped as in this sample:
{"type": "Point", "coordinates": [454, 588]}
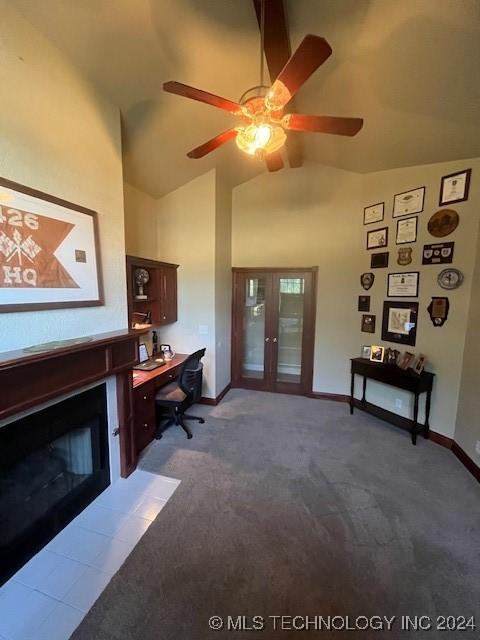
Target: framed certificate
{"type": "Point", "coordinates": [373, 213]}
{"type": "Point", "coordinates": [454, 187]}
{"type": "Point", "coordinates": [407, 230]}
{"type": "Point", "coordinates": [408, 202]}
{"type": "Point", "coordinates": [377, 238]}
{"type": "Point", "coordinates": [403, 285]}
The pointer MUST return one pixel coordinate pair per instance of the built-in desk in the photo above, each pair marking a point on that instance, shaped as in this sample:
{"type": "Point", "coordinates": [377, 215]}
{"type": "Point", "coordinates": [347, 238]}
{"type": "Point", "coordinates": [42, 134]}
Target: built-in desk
{"type": "Point", "coordinates": [396, 377]}
{"type": "Point", "coordinates": [145, 386]}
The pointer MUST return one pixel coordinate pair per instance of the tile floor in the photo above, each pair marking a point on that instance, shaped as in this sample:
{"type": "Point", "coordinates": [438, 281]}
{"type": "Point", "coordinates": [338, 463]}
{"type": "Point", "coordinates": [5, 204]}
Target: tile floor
{"type": "Point", "coordinates": [48, 598]}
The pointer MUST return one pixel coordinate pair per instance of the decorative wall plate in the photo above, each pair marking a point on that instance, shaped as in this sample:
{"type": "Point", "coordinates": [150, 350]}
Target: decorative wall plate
{"type": "Point", "coordinates": [443, 223]}
{"type": "Point", "coordinates": [450, 278]}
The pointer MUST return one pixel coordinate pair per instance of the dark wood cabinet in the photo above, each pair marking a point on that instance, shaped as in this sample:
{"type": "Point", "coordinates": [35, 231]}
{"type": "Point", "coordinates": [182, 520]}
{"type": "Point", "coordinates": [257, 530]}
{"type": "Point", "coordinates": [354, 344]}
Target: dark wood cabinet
{"type": "Point", "coordinates": [160, 291]}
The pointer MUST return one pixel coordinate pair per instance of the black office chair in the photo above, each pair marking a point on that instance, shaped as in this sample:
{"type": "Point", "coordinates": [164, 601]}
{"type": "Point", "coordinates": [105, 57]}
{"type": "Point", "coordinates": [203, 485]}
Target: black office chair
{"type": "Point", "coordinates": [178, 396]}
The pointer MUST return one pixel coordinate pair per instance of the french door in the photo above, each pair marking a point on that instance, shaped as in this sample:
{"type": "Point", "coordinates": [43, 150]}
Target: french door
{"type": "Point", "coordinates": [273, 329]}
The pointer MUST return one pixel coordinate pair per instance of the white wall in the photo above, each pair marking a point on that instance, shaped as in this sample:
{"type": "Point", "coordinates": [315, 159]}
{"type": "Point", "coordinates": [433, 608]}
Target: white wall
{"type": "Point", "coordinates": [313, 216]}
{"type": "Point", "coordinates": [223, 284]}
{"type": "Point", "coordinates": [186, 224]}
{"type": "Point", "coordinates": [58, 135]}
{"type": "Point", "coordinates": [467, 433]}
{"type": "Point", "coordinates": [140, 223]}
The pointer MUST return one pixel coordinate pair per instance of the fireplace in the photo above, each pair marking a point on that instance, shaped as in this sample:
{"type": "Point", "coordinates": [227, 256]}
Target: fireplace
{"type": "Point", "coordinates": [52, 464]}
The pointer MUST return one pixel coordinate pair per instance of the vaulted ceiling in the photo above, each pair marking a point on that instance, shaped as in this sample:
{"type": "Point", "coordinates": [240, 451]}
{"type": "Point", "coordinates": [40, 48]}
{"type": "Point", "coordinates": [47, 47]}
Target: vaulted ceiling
{"type": "Point", "coordinates": [408, 67]}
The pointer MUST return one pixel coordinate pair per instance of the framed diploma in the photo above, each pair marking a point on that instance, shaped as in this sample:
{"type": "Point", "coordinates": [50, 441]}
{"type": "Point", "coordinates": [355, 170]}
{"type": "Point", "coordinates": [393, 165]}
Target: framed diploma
{"type": "Point", "coordinates": [377, 238]}
{"type": "Point", "coordinates": [408, 202]}
{"type": "Point", "coordinates": [403, 285]}
{"type": "Point", "coordinates": [407, 230]}
{"type": "Point", "coordinates": [373, 213]}
{"type": "Point", "coordinates": [454, 187]}
{"type": "Point", "coordinates": [399, 323]}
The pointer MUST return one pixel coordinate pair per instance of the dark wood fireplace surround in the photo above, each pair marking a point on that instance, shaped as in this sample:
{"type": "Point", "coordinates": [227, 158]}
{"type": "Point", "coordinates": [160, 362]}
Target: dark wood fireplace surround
{"type": "Point", "coordinates": [28, 379]}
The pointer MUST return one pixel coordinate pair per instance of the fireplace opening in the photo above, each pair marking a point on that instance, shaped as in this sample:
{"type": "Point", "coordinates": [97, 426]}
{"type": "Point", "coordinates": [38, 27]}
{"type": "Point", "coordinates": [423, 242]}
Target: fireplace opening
{"type": "Point", "coordinates": [53, 463]}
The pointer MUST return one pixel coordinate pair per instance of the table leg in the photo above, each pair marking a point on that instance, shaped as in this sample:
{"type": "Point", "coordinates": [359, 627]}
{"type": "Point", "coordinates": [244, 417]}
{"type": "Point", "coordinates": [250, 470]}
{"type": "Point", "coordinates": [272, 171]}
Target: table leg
{"type": "Point", "coordinates": [364, 388]}
{"type": "Point", "coordinates": [415, 420]}
{"type": "Point", "coordinates": [352, 389]}
{"type": "Point", "coordinates": [426, 430]}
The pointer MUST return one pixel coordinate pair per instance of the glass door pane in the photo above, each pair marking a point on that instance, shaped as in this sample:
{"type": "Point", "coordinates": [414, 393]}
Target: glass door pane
{"type": "Point", "coordinates": [254, 317]}
{"type": "Point", "coordinates": [291, 297]}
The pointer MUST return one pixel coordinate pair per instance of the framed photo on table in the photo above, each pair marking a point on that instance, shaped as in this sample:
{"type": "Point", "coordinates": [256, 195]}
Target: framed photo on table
{"type": "Point", "coordinates": [407, 230]}
{"type": "Point", "coordinates": [455, 187]}
{"type": "Point", "coordinates": [399, 322]}
{"type": "Point", "coordinates": [373, 213]}
{"type": "Point", "coordinates": [49, 252]}
{"type": "Point", "coordinates": [377, 238]}
{"type": "Point", "coordinates": [408, 202]}
{"type": "Point", "coordinates": [403, 285]}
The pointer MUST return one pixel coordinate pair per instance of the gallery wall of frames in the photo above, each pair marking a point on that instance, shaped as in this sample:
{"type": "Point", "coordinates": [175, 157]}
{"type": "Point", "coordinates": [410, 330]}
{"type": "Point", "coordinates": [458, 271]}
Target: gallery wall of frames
{"type": "Point", "coordinates": [391, 242]}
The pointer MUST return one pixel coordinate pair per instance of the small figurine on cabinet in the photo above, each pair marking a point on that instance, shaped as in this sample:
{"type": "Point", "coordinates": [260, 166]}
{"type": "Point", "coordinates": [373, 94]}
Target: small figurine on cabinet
{"type": "Point", "coordinates": [141, 278]}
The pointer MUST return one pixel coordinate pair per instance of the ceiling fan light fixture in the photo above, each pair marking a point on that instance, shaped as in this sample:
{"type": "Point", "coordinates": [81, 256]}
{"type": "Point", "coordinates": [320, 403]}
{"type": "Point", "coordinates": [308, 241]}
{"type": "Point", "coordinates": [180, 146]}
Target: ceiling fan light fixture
{"type": "Point", "coordinates": [260, 139]}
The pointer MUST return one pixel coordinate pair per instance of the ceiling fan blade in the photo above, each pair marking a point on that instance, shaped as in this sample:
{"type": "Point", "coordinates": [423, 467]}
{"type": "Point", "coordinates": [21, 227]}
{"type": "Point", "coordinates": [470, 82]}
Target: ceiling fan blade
{"type": "Point", "coordinates": [212, 144]}
{"type": "Point", "coordinates": [274, 161]}
{"type": "Point", "coordinates": [311, 53]}
{"type": "Point", "coordinates": [322, 124]}
{"type": "Point", "coordinates": [202, 96]}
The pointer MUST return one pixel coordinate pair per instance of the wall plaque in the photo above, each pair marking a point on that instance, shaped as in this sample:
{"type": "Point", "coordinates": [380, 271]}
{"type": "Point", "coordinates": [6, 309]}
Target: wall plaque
{"type": "Point", "coordinates": [440, 253]}
{"type": "Point", "coordinates": [438, 310]}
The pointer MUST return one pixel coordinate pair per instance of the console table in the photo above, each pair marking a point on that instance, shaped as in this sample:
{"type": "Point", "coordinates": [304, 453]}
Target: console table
{"type": "Point", "coordinates": [396, 377]}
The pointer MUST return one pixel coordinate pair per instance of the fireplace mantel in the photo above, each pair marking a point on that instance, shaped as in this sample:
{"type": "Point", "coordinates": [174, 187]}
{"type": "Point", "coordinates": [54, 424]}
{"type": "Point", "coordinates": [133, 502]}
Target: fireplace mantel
{"type": "Point", "coordinates": [28, 379]}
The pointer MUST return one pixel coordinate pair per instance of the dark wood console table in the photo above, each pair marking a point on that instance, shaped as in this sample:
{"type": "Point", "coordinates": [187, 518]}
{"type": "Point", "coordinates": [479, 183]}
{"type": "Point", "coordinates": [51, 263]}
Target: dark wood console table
{"type": "Point", "coordinates": [396, 377]}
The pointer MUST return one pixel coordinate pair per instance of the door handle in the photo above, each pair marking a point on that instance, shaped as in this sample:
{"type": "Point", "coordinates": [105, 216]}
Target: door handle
{"type": "Point", "coordinates": [267, 339]}
{"type": "Point", "coordinates": [275, 340]}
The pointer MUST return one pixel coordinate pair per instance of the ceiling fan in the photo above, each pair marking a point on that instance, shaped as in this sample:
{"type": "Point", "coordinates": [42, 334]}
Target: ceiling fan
{"type": "Point", "coordinates": [261, 131]}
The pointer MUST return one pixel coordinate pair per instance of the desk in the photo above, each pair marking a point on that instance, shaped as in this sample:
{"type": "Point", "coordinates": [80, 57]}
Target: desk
{"type": "Point", "coordinates": [145, 386]}
{"type": "Point", "coordinates": [396, 377]}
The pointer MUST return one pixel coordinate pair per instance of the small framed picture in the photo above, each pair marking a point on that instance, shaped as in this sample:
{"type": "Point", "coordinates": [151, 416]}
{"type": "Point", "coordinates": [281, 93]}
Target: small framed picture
{"type": "Point", "coordinates": [377, 238]}
{"type": "Point", "coordinates": [377, 353]}
{"type": "Point", "coordinates": [399, 323]}
{"type": "Point", "coordinates": [403, 285]}
{"type": "Point", "coordinates": [407, 230]}
{"type": "Point", "coordinates": [419, 364]}
{"type": "Point", "coordinates": [364, 303]}
{"type": "Point", "coordinates": [373, 213]}
{"type": "Point", "coordinates": [454, 187]}
{"type": "Point", "coordinates": [366, 351]}
{"type": "Point", "coordinates": [379, 260]}
{"type": "Point", "coordinates": [405, 360]}
{"type": "Point", "coordinates": [368, 323]}
{"type": "Point", "coordinates": [408, 202]}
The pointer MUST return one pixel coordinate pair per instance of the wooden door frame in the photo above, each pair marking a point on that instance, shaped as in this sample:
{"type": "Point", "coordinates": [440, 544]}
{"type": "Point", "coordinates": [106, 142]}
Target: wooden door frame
{"type": "Point", "coordinates": [308, 338]}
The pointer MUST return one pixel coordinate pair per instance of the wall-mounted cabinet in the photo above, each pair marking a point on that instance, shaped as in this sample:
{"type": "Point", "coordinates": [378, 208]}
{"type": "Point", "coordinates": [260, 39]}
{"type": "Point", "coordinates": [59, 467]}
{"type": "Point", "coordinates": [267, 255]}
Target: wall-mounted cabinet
{"type": "Point", "coordinates": [151, 288]}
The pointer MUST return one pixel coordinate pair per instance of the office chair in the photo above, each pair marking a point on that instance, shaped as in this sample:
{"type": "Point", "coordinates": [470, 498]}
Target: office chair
{"type": "Point", "coordinates": [179, 395]}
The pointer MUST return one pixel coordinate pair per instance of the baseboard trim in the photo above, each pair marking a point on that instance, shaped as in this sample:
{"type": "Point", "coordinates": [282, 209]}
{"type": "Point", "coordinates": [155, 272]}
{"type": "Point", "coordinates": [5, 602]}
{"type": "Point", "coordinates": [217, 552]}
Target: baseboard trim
{"type": "Point", "coordinates": [336, 397]}
{"type": "Point", "coordinates": [467, 462]}
{"type": "Point", "coordinates": [214, 401]}
{"type": "Point", "coordinates": [443, 441]}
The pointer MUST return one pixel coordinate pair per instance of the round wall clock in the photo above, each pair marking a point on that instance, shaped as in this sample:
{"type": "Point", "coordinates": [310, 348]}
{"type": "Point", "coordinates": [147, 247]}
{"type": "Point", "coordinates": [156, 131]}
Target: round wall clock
{"type": "Point", "coordinates": [443, 223]}
{"type": "Point", "coordinates": [450, 278]}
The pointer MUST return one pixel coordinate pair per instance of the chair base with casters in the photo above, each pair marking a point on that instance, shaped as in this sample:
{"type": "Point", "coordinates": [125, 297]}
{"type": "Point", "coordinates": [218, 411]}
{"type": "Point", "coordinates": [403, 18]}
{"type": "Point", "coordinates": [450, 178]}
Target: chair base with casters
{"type": "Point", "coordinates": [175, 398]}
{"type": "Point", "coordinates": [178, 418]}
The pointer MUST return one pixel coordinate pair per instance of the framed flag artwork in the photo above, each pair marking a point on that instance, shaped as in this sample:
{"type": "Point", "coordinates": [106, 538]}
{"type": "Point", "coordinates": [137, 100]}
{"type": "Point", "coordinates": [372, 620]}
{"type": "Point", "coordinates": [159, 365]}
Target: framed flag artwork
{"type": "Point", "coordinates": [49, 252]}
